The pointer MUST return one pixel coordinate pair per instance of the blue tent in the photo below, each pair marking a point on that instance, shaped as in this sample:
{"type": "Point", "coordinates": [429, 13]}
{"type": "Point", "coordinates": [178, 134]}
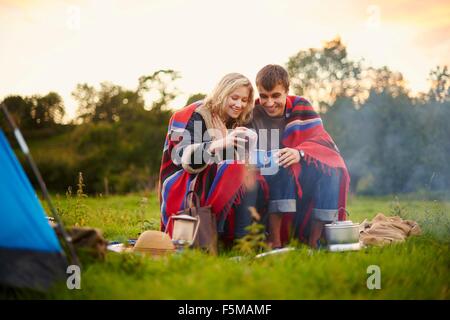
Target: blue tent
{"type": "Point", "coordinates": [30, 253]}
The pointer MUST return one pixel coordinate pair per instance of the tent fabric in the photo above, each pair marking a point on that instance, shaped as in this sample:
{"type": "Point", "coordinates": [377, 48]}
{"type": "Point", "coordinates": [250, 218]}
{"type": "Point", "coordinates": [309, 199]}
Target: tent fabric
{"type": "Point", "coordinates": [31, 269]}
{"type": "Point", "coordinates": [23, 222]}
{"type": "Point", "coordinates": [30, 253]}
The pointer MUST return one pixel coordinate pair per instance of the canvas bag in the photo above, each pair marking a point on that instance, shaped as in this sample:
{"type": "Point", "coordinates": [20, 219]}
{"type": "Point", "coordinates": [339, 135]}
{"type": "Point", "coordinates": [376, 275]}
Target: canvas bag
{"type": "Point", "coordinates": [87, 239]}
{"type": "Point", "coordinates": [207, 235]}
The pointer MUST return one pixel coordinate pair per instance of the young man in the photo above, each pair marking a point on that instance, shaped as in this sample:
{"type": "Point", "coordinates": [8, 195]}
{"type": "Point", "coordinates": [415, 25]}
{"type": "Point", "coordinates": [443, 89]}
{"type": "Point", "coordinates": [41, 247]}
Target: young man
{"type": "Point", "coordinates": [312, 180]}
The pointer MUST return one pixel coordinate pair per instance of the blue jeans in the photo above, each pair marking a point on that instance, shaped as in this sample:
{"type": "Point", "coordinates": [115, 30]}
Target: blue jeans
{"type": "Point", "coordinates": [324, 189]}
{"type": "Point", "coordinates": [282, 191]}
{"type": "Point", "coordinates": [243, 217]}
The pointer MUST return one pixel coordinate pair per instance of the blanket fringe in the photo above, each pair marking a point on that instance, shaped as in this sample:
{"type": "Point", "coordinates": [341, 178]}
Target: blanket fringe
{"type": "Point", "coordinates": [320, 165]}
{"type": "Point", "coordinates": [223, 214]}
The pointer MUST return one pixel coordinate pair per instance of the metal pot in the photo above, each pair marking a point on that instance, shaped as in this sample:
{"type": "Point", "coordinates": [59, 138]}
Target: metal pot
{"type": "Point", "coordinates": [341, 232]}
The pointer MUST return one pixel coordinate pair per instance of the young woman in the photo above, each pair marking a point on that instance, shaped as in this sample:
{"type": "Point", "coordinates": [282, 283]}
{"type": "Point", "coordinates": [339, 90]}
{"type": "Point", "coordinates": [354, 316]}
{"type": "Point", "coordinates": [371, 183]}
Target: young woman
{"type": "Point", "coordinates": [200, 154]}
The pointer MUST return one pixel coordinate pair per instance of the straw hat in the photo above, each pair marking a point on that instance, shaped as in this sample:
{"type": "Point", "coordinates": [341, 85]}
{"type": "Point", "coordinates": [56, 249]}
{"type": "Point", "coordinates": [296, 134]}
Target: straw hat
{"type": "Point", "coordinates": [154, 243]}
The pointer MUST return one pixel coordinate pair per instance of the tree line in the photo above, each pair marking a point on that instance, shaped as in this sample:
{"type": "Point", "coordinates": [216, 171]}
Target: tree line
{"type": "Point", "coordinates": [392, 141]}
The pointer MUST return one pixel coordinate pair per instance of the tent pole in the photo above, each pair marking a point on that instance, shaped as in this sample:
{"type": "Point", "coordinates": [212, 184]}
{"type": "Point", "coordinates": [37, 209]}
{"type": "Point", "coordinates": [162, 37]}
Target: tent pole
{"type": "Point", "coordinates": [26, 151]}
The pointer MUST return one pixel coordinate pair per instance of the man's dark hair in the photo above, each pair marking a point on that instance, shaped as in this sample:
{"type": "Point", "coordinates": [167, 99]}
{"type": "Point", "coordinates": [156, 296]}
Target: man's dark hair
{"type": "Point", "coordinates": [272, 75]}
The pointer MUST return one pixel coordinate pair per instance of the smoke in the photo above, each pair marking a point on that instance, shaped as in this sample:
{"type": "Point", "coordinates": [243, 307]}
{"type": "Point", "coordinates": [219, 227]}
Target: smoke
{"type": "Point", "coordinates": [393, 144]}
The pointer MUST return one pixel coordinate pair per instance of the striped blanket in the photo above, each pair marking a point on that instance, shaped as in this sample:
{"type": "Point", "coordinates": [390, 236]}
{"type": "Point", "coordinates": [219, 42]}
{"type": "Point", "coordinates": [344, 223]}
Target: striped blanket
{"type": "Point", "coordinates": [219, 185]}
{"type": "Point", "coordinates": [304, 130]}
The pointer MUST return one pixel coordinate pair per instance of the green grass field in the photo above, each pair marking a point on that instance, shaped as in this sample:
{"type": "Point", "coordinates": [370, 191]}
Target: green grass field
{"type": "Point", "coordinates": [416, 269]}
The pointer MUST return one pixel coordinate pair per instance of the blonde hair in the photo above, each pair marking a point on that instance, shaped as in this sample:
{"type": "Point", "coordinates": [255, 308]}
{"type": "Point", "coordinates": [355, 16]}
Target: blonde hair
{"type": "Point", "coordinates": [216, 101]}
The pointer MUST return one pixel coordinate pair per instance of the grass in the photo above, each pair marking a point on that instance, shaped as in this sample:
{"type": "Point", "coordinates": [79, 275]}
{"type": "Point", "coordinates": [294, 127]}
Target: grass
{"type": "Point", "coordinates": [416, 269]}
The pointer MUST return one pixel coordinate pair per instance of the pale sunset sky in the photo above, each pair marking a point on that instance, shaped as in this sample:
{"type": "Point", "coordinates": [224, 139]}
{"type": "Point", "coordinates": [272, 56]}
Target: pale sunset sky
{"type": "Point", "coordinates": [51, 45]}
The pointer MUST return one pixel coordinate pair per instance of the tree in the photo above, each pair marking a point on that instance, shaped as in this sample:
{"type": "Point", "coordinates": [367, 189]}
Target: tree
{"type": "Point", "coordinates": [36, 112]}
{"type": "Point", "coordinates": [342, 121]}
{"type": "Point", "coordinates": [393, 142]}
{"type": "Point", "coordinates": [195, 97]}
{"type": "Point", "coordinates": [440, 84]}
{"type": "Point", "coordinates": [385, 80]}
{"type": "Point", "coordinates": [324, 74]}
{"type": "Point", "coordinates": [47, 110]}
{"type": "Point", "coordinates": [87, 99]}
{"type": "Point", "coordinates": [160, 87]}
{"type": "Point", "coordinates": [20, 110]}
{"type": "Point", "coordinates": [111, 103]}
{"type": "Point", "coordinates": [119, 139]}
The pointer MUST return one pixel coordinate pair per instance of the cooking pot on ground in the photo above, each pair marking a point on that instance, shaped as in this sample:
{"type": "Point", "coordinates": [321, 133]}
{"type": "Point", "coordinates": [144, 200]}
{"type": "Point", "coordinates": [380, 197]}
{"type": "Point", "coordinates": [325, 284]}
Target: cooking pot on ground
{"type": "Point", "coordinates": [340, 232]}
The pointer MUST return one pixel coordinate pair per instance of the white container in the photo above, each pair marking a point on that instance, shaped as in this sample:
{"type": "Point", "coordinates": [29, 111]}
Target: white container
{"type": "Point", "coordinates": [344, 247]}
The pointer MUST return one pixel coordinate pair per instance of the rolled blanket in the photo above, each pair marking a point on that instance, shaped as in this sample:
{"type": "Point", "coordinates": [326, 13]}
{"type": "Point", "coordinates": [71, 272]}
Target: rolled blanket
{"type": "Point", "coordinates": [385, 230]}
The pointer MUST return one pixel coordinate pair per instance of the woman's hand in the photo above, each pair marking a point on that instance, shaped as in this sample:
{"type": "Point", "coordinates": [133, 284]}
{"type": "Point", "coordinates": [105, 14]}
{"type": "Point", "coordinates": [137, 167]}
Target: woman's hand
{"type": "Point", "coordinates": [250, 134]}
{"type": "Point", "coordinates": [232, 139]}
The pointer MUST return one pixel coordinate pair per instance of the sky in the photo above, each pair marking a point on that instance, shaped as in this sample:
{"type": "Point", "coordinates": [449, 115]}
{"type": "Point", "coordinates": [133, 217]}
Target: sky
{"type": "Point", "coordinates": [52, 45]}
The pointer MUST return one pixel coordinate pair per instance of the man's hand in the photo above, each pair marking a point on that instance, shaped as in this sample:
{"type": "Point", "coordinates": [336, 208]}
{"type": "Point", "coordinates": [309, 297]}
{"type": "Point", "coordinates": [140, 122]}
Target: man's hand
{"type": "Point", "coordinates": [288, 156]}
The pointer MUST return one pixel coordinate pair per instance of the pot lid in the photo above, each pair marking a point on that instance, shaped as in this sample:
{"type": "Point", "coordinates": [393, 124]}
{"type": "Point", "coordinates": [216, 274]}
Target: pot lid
{"type": "Point", "coordinates": [184, 217]}
{"type": "Point", "coordinates": [341, 224]}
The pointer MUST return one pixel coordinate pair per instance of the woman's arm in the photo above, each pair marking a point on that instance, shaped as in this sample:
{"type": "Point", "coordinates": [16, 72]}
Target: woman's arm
{"type": "Point", "coordinates": [194, 154]}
